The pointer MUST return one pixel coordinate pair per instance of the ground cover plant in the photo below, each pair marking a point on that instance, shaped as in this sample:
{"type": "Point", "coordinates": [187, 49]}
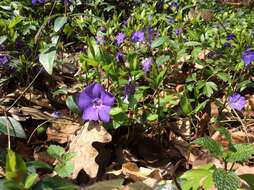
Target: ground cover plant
{"type": "Point", "coordinates": [133, 94]}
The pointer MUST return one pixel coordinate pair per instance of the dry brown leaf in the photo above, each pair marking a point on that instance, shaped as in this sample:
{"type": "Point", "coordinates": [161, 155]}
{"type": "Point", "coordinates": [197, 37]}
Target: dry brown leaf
{"type": "Point", "coordinates": [238, 137]}
{"type": "Point", "coordinates": [148, 176]}
{"type": "Point", "coordinates": [61, 130]}
{"type": "Point", "coordinates": [202, 55]}
{"type": "Point", "coordinates": [2, 174]}
{"type": "Point", "coordinates": [34, 113]}
{"type": "Point", "coordinates": [244, 170]}
{"type": "Point", "coordinates": [85, 152]}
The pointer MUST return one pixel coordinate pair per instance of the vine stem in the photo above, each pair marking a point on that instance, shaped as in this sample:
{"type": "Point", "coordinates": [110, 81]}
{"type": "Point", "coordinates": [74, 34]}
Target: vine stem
{"type": "Point", "coordinates": [8, 130]}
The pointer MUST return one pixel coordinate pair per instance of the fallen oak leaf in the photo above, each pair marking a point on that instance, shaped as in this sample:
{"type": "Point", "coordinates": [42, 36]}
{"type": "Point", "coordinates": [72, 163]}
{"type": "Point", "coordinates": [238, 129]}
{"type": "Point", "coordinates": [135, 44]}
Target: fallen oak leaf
{"type": "Point", "coordinates": [85, 152]}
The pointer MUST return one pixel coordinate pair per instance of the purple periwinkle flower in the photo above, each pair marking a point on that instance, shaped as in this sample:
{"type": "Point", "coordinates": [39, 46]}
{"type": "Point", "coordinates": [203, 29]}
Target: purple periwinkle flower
{"type": "Point", "coordinates": [236, 101]}
{"type": "Point", "coordinates": [230, 36]}
{"type": "Point", "coordinates": [150, 33]}
{"type": "Point", "coordinates": [178, 31]}
{"type": "Point", "coordinates": [57, 114]}
{"type": "Point", "coordinates": [248, 56]}
{"type": "Point", "coordinates": [138, 36]}
{"type": "Point", "coordinates": [147, 63]}
{"type": "Point", "coordinates": [19, 44]}
{"type": "Point", "coordinates": [3, 60]}
{"type": "Point", "coordinates": [103, 29]}
{"type": "Point", "coordinates": [120, 38]}
{"type": "Point", "coordinates": [227, 44]}
{"type": "Point", "coordinates": [119, 57]}
{"type": "Point", "coordinates": [99, 39]}
{"type": "Point", "coordinates": [174, 5]}
{"type": "Point", "coordinates": [37, 1]}
{"type": "Point", "coordinates": [159, 6]}
{"type": "Point", "coordinates": [95, 103]}
{"type": "Point", "coordinates": [12, 69]}
{"type": "Point", "coordinates": [129, 89]}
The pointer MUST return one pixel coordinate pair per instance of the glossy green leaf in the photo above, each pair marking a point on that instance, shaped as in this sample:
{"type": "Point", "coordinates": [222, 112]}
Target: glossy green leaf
{"type": "Point", "coordinates": [160, 41]}
{"type": "Point", "coordinates": [185, 105]}
{"type": "Point", "coordinates": [2, 39]}
{"type": "Point", "coordinates": [71, 104]}
{"type": "Point", "coordinates": [15, 128]}
{"type": "Point", "coordinates": [107, 185]}
{"type": "Point", "coordinates": [55, 183]}
{"type": "Point", "coordinates": [59, 22]}
{"type": "Point", "coordinates": [47, 58]}
{"type": "Point", "coordinates": [30, 180]}
{"type": "Point", "coordinates": [15, 168]}
{"type": "Point", "coordinates": [116, 110]}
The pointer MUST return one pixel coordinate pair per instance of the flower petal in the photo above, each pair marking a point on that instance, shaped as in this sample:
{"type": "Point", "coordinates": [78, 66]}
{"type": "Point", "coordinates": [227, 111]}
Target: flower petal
{"type": "Point", "coordinates": [83, 101]}
{"type": "Point", "coordinates": [107, 98]}
{"type": "Point", "coordinates": [94, 90]}
{"type": "Point", "coordinates": [90, 114]}
{"type": "Point", "coordinates": [104, 113]}
{"type": "Point", "coordinates": [236, 101]}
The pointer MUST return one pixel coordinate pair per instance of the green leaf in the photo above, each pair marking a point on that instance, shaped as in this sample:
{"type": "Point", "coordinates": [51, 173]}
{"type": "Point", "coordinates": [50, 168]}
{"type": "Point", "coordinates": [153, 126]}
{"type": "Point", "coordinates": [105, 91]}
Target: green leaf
{"type": "Point", "coordinates": [15, 167]}
{"type": "Point", "coordinates": [200, 107]}
{"type": "Point", "coordinates": [15, 21]}
{"type": "Point", "coordinates": [244, 84]}
{"type": "Point", "coordinates": [59, 22]}
{"type": "Point", "coordinates": [116, 110]}
{"type": "Point", "coordinates": [160, 77]}
{"type": "Point", "coordinates": [107, 185]}
{"type": "Point", "coordinates": [68, 156]}
{"type": "Point", "coordinates": [213, 146]}
{"type": "Point", "coordinates": [47, 58]}
{"type": "Point", "coordinates": [55, 183]}
{"type": "Point", "coordinates": [224, 76]}
{"type": "Point", "coordinates": [195, 178]}
{"type": "Point", "coordinates": [185, 105]}
{"type": "Point", "coordinates": [162, 59]}
{"type": "Point", "coordinates": [152, 117]}
{"type": "Point", "coordinates": [30, 180]}
{"type": "Point", "coordinates": [15, 128]}
{"type": "Point", "coordinates": [64, 169]}
{"type": "Point", "coordinates": [243, 153]}
{"type": "Point", "coordinates": [55, 151]}
{"type": "Point", "coordinates": [2, 39]}
{"type": "Point", "coordinates": [71, 104]}
{"type": "Point", "coordinates": [209, 88]}
{"type": "Point", "coordinates": [37, 164]}
{"type": "Point", "coordinates": [249, 178]}
{"type": "Point", "coordinates": [158, 42]}
{"type": "Point", "coordinates": [226, 180]}
{"type": "Point", "coordinates": [192, 43]}
{"type": "Point", "coordinates": [228, 137]}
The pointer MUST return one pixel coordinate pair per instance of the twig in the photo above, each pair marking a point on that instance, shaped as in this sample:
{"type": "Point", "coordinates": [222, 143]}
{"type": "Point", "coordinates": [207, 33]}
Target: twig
{"type": "Point", "coordinates": [29, 139]}
{"type": "Point", "coordinates": [20, 96]}
{"type": "Point", "coordinates": [243, 125]}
